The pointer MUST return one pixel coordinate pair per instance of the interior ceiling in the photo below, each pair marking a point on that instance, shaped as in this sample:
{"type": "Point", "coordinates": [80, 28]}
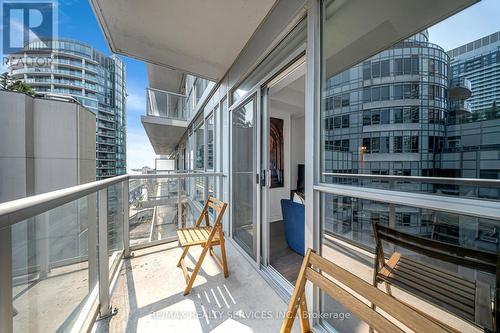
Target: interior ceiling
{"type": "Point", "coordinates": [291, 97]}
{"type": "Point", "coordinates": [163, 78]}
{"type": "Point", "coordinates": [357, 29]}
{"type": "Point", "coordinates": [198, 37]}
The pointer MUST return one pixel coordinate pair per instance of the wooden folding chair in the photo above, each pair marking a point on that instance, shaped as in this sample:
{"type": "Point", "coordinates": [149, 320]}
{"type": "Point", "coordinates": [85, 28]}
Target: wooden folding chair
{"type": "Point", "coordinates": [207, 237]}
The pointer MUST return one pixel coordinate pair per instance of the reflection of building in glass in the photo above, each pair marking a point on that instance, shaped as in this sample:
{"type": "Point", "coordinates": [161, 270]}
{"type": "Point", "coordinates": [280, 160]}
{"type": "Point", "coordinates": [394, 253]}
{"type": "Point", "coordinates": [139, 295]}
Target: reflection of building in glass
{"type": "Point", "coordinates": [94, 79]}
{"type": "Point", "coordinates": [404, 112]}
{"type": "Point", "coordinates": [382, 113]}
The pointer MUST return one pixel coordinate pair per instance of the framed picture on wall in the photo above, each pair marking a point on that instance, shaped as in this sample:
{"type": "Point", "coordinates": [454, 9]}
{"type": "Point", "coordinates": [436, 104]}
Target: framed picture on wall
{"type": "Point", "coordinates": [276, 153]}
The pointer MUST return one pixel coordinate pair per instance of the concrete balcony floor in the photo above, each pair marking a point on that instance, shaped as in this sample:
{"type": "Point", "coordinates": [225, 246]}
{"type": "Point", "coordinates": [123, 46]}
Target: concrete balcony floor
{"type": "Point", "coordinates": [149, 296]}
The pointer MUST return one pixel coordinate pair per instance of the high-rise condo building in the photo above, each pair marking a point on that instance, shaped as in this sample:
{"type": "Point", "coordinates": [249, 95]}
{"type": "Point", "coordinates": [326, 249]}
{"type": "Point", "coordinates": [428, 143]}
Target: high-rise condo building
{"type": "Point", "coordinates": [94, 79]}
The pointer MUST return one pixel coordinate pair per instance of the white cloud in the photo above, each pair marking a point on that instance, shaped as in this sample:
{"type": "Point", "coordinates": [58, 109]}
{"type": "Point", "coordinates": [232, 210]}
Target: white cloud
{"type": "Point", "coordinates": [139, 150]}
{"type": "Point", "coordinates": [136, 102]}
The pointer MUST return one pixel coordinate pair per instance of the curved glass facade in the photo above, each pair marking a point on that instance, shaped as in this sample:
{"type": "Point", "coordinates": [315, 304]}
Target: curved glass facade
{"type": "Point", "coordinates": [94, 79]}
{"type": "Point", "coordinates": [381, 115]}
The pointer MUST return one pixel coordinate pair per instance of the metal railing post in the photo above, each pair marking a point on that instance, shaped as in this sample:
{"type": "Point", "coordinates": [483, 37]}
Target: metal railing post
{"type": "Point", "coordinates": [179, 204]}
{"type": "Point", "coordinates": [92, 241]}
{"type": "Point", "coordinates": [43, 245]}
{"type": "Point", "coordinates": [392, 208]}
{"type": "Point", "coordinates": [104, 297]}
{"type": "Point", "coordinates": [6, 305]}
{"type": "Point", "coordinates": [126, 208]}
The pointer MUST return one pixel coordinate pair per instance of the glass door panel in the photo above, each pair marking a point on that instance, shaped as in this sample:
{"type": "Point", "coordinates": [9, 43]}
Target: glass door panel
{"type": "Point", "coordinates": [243, 177]}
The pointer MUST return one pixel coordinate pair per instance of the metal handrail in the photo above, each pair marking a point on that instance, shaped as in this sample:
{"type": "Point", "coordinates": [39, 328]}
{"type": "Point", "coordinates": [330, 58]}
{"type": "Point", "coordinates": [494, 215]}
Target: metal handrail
{"type": "Point", "coordinates": [433, 180]}
{"type": "Point", "coordinates": [176, 175]}
{"type": "Point", "coordinates": [15, 211]}
{"type": "Point", "coordinates": [455, 205]}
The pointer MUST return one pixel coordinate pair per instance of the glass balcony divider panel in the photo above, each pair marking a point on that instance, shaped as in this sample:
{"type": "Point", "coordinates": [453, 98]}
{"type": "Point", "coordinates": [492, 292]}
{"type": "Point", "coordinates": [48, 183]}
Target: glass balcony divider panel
{"type": "Point", "coordinates": [56, 266]}
{"type": "Point", "coordinates": [165, 104]}
{"type": "Point", "coordinates": [348, 220]}
{"type": "Point", "coordinates": [161, 203]}
{"type": "Point", "coordinates": [409, 138]}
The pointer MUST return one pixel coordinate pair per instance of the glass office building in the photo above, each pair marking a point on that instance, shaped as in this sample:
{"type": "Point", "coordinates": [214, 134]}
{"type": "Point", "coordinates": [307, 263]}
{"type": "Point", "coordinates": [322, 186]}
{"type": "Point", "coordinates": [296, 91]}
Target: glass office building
{"type": "Point", "coordinates": [97, 81]}
{"type": "Point", "coordinates": [380, 114]}
{"type": "Point", "coordinates": [479, 62]}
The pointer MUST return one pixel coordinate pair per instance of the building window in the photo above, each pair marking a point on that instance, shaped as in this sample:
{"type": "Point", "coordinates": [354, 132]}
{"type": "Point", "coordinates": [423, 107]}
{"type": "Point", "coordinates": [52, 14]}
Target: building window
{"type": "Point", "coordinates": [406, 115]}
{"type": "Point", "coordinates": [199, 162]}
{"type": "Point", "coordinates": [454, 142]}
{"type": "Point", "coordinates": [341, 145]}
{"type": "Point", "coordinates": [367, 71]}
{"type": "Point", "coordinates": [375, 94]}
{"type": "Point", "coordinates": [210, 142]}
{"type": "Point", "coordinates": [376, 145]}
{"type": "Point", "coordinates": [406, 91]}
{"type": "Point", "coordinates": [435, 144]}
{"type": "Point", "coordinates": [406, 144]}
{"type": "Point", "coordinates": [407, 65]}
{"type": "Point", "coordinates": [436, 116]}
{"type": "Point", "coordinates": [376, 69]}
{"type": "Point", "coordinates": [385, 68]}
{"type": "Point", "coordinates": [341, 121]}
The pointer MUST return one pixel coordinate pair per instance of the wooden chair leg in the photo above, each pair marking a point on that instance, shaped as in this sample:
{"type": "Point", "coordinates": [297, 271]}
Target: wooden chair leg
{"type": "Point", "coordinates": [304, 315]}
{"type": "Point", "coordinates": [223, 253]}
{"type": "Point", "coordinates": [195, 271]}
{"type": "Point", "coordinates": [297, 296]}
{"type": "Point", "coordinates": [184, 252]}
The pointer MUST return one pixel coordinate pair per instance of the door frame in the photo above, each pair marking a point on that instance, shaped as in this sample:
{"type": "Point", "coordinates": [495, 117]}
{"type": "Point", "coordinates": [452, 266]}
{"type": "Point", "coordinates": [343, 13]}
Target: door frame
{"type": "Point", "coordinates": [283, 71]}
{"type": "Point", "coordinates": [256, 92]}
{"type": "Point", "coordinates": [254, 95]}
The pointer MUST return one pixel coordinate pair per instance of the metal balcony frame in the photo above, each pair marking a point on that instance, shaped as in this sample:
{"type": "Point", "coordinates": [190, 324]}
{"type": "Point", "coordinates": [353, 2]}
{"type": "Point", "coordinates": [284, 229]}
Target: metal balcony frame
{"type": "Point", "coordinates": [19, 210]}
{"type": "Point", "coordinates": [15, 211]}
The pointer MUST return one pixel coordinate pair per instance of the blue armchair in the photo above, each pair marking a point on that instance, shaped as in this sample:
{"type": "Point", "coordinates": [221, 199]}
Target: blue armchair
{"type": "Point", "coordinates": [294, 221]}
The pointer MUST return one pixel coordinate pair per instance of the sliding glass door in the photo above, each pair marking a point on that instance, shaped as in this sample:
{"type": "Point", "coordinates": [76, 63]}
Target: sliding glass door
{"type": "Point", "coordinates": [244, 175]}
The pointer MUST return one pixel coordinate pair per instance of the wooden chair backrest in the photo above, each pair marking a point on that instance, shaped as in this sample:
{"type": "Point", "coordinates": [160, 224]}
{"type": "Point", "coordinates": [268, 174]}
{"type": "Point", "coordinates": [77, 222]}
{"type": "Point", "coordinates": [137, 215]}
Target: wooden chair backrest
{"type": "Point", "coordinates": [219, 208]}
{"type": "Point", "coordinates": [339, 283]}
{"type": "Point", "coordinates": [471, 258]}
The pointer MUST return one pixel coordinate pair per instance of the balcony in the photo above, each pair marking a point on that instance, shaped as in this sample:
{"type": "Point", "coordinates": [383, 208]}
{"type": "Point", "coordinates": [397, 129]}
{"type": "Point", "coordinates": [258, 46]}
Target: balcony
{"type": "Point", "coordinates": [165, 120]}
{"type": "Point", "coordinates": [71, 249]}
{"type": "Point", "coordinates": [460, 108]}
{"type": "Point", "coordinates": [78, 264]}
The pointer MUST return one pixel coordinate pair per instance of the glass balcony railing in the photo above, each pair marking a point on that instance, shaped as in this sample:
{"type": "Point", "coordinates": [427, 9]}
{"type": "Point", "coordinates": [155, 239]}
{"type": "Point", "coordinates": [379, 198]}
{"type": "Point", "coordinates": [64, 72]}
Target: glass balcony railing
{"type": "Point", "coordinates": [166, 105]}
{"type": "Point", "coordinates": [60, 251]}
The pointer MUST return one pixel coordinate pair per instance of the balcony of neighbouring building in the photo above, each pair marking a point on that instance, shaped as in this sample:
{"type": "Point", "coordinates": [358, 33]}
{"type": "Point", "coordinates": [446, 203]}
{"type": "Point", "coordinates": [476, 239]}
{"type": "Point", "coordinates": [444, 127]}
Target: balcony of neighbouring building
{"type": "Point", "coordinates": [460, 89]}
{"type": "Point", "coordinates": [165, 120]}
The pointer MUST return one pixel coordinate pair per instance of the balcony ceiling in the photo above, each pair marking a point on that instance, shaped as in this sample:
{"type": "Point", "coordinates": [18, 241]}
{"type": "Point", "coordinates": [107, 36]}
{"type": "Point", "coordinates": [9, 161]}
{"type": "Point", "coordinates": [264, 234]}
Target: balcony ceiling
{"type": "Point", "coordinates": [198, 37]}
{"type": "Point", "coordinates": [163, 78]}
{"type": "Point", "coordinates": [163, 133]}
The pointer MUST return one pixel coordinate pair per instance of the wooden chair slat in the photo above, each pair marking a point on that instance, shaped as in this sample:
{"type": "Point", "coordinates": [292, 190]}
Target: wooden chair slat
{"type": "Point", "coordinates": [453, 293]}
{"type": "Point", "coordinates": [451, 286]}
{"type": "Point", "coordinates": [358, 308]}
{"type": "Point", "coordinates": [439, 296]}
{"type": "Point", "coordinates": [338, 283]}
{"type": "Point", "coordinates": [387, 303]}
{"type": "Point", "coordinates": [438, 274]}
{"type": "Point", "coordinates": [475, 259]}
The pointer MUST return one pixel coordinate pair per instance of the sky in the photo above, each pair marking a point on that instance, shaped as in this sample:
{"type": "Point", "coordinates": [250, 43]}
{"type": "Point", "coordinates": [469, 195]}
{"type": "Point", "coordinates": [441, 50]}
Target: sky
{"type": "Point", "coordinates": [77, 21]}
{"type": "Point", "coordinates": [479, 20]}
